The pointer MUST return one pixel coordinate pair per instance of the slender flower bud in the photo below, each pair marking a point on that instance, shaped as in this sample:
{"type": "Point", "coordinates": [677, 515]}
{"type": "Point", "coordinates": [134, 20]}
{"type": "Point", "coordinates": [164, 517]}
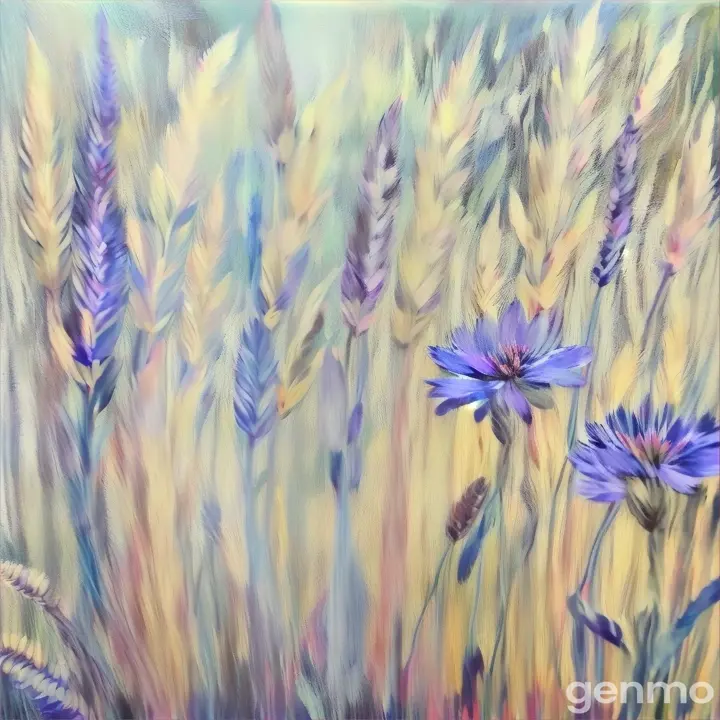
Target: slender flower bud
{"type": "Point", "coordinates": [466, 509]}
{"type": "Point", "coordinates": [366, 261]}
{"type": "Point", "coordinates": [99, 274]}
{"type": "Point", "coordinates": [619, 213]}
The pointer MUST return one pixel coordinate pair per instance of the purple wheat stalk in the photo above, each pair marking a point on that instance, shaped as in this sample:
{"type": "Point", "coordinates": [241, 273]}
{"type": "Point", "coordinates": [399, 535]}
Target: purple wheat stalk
{"type": "Point", "coordinates": [618, 222]}
{"type": "Point", "coordinates": [619, 212]}
{"type": "Point", "coordinates": [368, 248]}
{"type": "Point", "coordinates": [98, 297]}
{"type": "Point", "coordinates": [255, 380]}
{"type": "Point", "coordinates": [99, 276]}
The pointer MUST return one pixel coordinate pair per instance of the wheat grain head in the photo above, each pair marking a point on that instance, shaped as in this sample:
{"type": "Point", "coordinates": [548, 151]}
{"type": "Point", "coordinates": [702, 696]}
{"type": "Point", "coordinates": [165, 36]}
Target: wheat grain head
{"type": "Point", "coordinates": [46, 187]}
{"type": "Point", "coordinates": [440, 176]}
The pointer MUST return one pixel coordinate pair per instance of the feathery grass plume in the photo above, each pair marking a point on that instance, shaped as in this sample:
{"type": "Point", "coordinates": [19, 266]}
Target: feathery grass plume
{"type": "Point", "coordinates": [46, 188]}
{"type": "Point", "coordinates": [619, 212]}
{"type": "Point", "coordinates": [159, 233]}
{"type": "Point", "coordinates": [465, 510]}
{"type": "Point", "coordinates": [255, 382]}
{"type": "Point", "coordinates": [441, 173]}
{"type": "Point", "coordinates": [22, 661]}
{"type": "Point", "coordinates": [278, 96]}
{"type": "Point", "coordinates": [204, 299]}
{"type": "Point", "coordinates": [99, 252]}
{"type": "Point", "coordinates": [368, 247]}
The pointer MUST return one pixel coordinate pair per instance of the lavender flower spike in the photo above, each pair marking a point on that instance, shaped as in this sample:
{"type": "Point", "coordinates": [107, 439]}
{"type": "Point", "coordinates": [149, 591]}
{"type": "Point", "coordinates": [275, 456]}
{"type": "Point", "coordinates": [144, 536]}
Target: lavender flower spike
{"type": "Point", "coordinates": [100, 261]}
{"type": "Point", "coordinates": [366, 261]}
{"type": "Point", "coordinates": [619, 213]}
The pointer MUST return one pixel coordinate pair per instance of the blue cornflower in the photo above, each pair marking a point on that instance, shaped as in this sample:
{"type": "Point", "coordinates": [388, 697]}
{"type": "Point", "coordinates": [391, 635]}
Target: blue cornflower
{"type": "Point", "coordinates": [636, 456]}
{"type": "Point", "coordinates": [511, 364]}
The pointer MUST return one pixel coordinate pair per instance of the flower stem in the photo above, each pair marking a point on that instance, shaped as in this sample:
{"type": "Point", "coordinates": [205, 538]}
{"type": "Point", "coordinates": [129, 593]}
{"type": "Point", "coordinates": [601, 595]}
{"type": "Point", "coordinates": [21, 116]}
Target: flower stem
{"type": "Point", "coordinates": [478, 584]}
{"type": "Point", "coordinates": [81, 502]}
{"type": "Point", "coordinates": [667, 275]}
{"type": "Point", "coordinates": [589, 336]}
{"type": "Point", "coordinates": [506, 577]}
{"type": "Point", "coordinates": [589, 574]}
{"type": "Point", "coordinates": [655, 558]}
{"type": "Point", "coordinates": [428, 598]}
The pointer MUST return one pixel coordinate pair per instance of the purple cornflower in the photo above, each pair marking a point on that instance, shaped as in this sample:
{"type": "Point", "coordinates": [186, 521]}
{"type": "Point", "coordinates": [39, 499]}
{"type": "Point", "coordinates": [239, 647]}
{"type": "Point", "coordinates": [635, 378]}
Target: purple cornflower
{"type": "Point", "coordinates": [619, 212]}
{"type": "Point", "coordinates": [100, 261]}
{"type": "Point", "coordinates": [366, 262]}
{"type": "Point", "coordinates": [255, 380]}
{"type": "Point", "coordinates": [509, 364]}
{"type": "Point", "coordinates": [636, 456]}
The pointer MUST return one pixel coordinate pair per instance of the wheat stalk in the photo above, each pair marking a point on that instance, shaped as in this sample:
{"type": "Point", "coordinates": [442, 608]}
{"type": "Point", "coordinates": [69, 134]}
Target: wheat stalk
{"type": "Point", "coordinates": [488, 276]}
{"type": "Point", "coordinates": [205, 292]}
{"type": "Point", "coordinates": [440, 176]}
{"type": "Point", "coordinates": [560, 211]}
{"type": "Point", "coordinates": [276, 83]}
{"type": "Point", "coordinates": [22, 661]}
{"type": "Point", "coordinates": [46, 187]}
{"type": "Point", "coordinates": [159, 235]}
{"type": "Point", "coordinates": [35, 586]}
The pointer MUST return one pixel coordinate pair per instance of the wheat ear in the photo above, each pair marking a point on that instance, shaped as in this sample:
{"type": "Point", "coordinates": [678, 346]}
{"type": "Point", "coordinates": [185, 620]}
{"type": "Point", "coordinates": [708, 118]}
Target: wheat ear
{"type": "Point", "coordinates": [440, 176]}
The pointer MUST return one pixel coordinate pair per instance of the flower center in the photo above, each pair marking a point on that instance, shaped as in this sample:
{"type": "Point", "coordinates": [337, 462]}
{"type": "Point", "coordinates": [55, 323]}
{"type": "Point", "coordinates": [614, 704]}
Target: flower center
{"type": "Point", "coordinates": [510, 359]}
{"type": "Point", "coordinates": [649, 449]}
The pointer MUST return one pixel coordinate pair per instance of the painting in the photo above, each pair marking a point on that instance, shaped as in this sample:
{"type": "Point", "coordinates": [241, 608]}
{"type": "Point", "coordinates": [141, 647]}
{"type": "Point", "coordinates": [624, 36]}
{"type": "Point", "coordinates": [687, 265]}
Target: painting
{"type": "Point", "coordinates": [359, 360]}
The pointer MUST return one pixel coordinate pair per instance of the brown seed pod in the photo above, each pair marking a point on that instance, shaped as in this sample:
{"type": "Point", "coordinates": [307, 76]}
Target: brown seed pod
{"type": "Point", "coordinates": [466, 509]}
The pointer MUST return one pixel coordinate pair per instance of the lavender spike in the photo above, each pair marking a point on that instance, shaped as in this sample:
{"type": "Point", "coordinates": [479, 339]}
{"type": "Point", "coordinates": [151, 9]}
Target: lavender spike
{"type": "Point", "coordinates": [619, 213]}
{"type": "Point", "coordinates": [366, 261]}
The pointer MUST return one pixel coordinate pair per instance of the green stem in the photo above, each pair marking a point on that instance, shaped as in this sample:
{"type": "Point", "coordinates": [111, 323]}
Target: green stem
{"type": "Point", "coordinates": [589, 335]}
{"type": "Point", "coordinates": [655, 557]}
{"type": "Point", "coordinates": [506, 577]}
{"type": "Point", "coordinates": [428, 598]}
{"type": "Point", "coordinates": [610, 516]}
{"type": "Point", "coordinates": [667, 275]}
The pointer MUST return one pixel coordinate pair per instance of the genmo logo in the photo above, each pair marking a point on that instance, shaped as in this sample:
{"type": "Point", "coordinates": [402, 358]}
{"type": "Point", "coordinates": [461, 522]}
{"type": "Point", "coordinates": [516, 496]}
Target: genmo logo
{"type": "Point", "coordinates": [581, 695]}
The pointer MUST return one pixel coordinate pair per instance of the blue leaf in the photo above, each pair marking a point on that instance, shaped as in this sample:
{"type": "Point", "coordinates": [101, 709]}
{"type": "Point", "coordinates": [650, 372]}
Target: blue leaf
{"type": "Point", "coordinates": [184, 217]}
{"type": "Point", "coordinates": [336, 464]}
{"type": "Point", "coordinates": [105, 385]}
{"type": "Point", "coordinates": [594, 621]}
{"type": "Point", "coordinates": [355, 423]}
{"type": "Point", "coordinates": [671, 642]}
{"type": "Point", "coordinates": [470, 552]}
